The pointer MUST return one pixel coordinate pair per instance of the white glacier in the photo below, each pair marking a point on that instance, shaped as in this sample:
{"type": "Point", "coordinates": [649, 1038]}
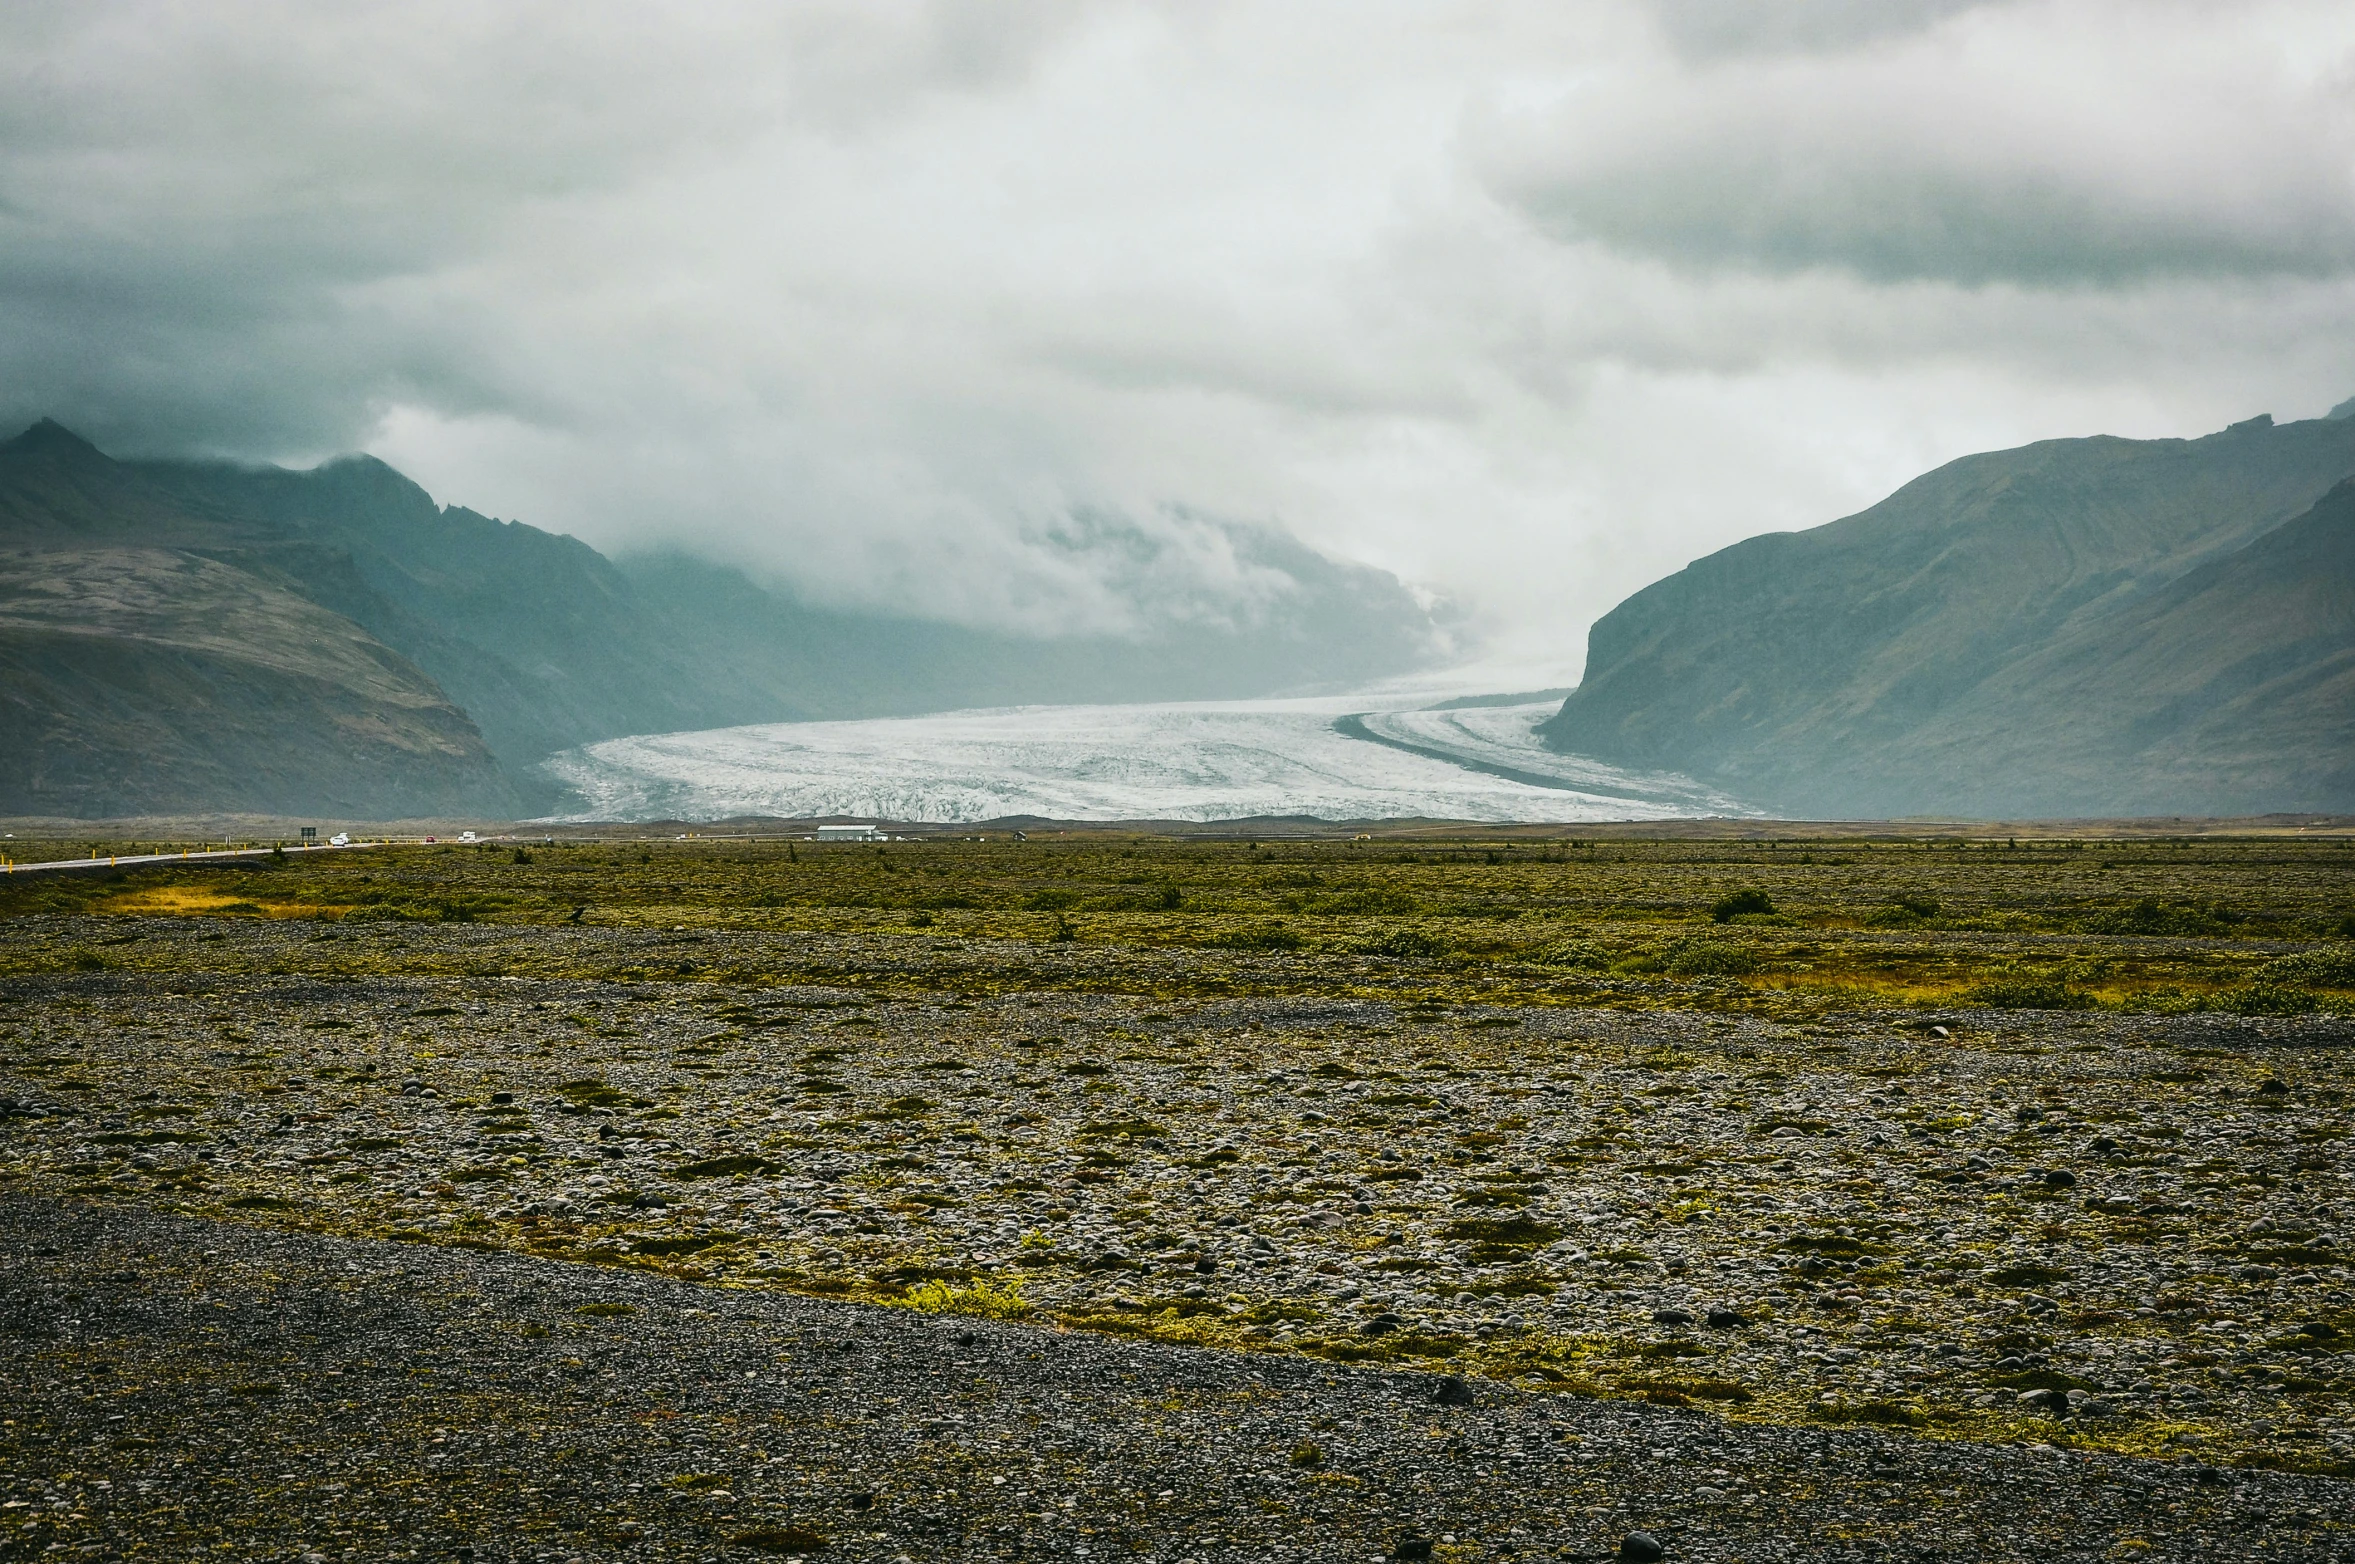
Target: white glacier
{"type": "Point", "coordinates": [1215, 760]}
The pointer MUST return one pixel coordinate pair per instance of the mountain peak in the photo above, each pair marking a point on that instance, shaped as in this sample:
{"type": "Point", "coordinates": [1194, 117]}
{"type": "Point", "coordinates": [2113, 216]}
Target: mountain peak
{"type": "Point", "coordinates": [51, 438]}
{"type": "Point", "coordinates": [376, 484]}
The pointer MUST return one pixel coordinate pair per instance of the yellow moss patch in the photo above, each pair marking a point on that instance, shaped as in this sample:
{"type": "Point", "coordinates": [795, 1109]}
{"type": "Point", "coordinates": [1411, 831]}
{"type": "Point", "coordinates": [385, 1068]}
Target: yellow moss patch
{"type": "Point", "coordinates": [985, 1298]}
{"type": "Point", "coordinates": [197, 901]}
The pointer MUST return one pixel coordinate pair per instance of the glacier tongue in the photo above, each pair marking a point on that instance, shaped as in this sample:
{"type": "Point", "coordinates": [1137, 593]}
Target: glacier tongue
{"type": "Point", "coordinates": [1195, 761]}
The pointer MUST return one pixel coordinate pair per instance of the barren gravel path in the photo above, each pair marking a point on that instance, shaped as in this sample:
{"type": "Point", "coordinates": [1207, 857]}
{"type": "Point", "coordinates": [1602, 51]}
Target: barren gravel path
{"type": "Point", "coordinates": [175, 1385]}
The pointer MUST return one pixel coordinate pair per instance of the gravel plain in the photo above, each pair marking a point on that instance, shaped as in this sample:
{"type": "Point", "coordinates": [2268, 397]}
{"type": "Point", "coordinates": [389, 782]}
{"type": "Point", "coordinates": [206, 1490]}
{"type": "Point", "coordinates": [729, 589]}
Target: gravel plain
{"type": "Point", "coordinates": [2089, 1266]}
{"type": "Point", "coordinates": [181, 1388]}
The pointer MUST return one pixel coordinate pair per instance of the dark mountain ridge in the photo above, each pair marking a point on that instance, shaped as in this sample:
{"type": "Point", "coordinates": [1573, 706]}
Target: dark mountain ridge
{"type": "Point", "coordinates": [2075, 627]}
{"type": "Point", "coordinates": [521, 642]}
{"type": "Point", "coordinates": [141, 668]}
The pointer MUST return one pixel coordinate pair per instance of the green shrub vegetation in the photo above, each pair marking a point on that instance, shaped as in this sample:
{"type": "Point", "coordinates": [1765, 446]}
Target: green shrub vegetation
{"type": "Point", "coordinates": [2156, 924]}
{"type": "Point", "coordinates": [1750, 901]}
{"type": "Point", "coordinates": [981, 1297]}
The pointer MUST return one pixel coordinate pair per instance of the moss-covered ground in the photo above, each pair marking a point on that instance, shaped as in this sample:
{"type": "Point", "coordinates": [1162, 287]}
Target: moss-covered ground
{"type": "Point", "coordinates": [1785, 927]}
{"type": "Point", "coordinates": [2000, 1139]}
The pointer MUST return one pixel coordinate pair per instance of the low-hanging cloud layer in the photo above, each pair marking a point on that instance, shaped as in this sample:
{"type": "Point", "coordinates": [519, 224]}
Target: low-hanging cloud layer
{"type": "Point", "coordinates": [1530, 303]}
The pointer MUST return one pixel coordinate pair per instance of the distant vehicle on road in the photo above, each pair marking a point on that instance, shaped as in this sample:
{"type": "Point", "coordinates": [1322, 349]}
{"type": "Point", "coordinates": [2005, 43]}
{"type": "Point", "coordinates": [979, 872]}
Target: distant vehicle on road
{"type": "Point", "coordinates": [339, 839]}
{"type": "Point", "coordinates": [465, 836]}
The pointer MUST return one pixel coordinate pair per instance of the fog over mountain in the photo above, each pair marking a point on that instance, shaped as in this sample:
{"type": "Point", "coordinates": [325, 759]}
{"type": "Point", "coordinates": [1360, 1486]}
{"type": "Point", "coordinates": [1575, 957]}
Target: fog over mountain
{"type": "Point", "coordinates": [975, 312]}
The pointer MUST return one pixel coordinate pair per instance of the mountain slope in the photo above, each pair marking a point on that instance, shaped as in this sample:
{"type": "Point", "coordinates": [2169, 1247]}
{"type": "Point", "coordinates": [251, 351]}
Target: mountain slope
{"type": "Point", "coordinates": [536, 635]}
{"type": "Point", "coordinates": [138, 681]}
{"type": "Point", "coordinates": [2230, 687]}
{"type": "Point", "coordinates": [1862, 668]}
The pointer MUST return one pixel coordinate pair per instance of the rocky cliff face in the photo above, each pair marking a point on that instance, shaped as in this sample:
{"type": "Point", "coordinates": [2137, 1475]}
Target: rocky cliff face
{"type": "Point", "coordinates": [2077, 627]}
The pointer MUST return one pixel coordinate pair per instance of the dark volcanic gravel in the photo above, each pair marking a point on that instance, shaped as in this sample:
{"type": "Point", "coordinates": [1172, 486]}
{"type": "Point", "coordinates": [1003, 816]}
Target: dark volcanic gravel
{"type": "Point", "coordinates": [175, 1386]}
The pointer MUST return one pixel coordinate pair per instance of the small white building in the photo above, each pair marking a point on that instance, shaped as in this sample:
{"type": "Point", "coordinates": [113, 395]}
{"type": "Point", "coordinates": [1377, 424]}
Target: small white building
{"type": "Point", "coordinates": [850, 833]}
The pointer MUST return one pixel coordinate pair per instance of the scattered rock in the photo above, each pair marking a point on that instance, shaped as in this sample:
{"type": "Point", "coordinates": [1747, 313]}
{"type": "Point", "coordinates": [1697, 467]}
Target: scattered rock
{"type": "Point", "coordinates": [1641, 1547]}
{"type": "Point", "coordinates": [973, 1187]}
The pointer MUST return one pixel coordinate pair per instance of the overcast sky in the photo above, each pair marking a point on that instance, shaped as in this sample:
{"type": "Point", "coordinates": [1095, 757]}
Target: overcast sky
{"type": "Point", "coordinates": [1530, 303]}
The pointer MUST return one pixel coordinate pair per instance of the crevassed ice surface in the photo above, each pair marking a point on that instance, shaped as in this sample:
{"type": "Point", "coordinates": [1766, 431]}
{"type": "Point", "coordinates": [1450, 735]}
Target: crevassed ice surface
{"type": "Point", "coordinates": [1196, 761]}
{"type": "Point", "coordinates": [1506, 737]}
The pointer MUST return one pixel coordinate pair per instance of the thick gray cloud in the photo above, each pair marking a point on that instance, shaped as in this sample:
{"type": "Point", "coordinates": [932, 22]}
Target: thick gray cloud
{"type": "Point", "coordinates": [251, 226]}
{"type": "Point", "coordinates": [2049, 145]}
{"type": "Point", "coordinates": [1703, 28]}
{"type": "Point", "coordinates": [901, 299]}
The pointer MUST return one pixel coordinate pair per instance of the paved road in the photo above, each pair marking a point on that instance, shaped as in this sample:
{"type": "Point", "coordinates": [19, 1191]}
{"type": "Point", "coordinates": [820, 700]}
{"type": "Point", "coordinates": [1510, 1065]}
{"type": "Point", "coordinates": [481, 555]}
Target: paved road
{"type": "Point", "coordinates": [132, 860]}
